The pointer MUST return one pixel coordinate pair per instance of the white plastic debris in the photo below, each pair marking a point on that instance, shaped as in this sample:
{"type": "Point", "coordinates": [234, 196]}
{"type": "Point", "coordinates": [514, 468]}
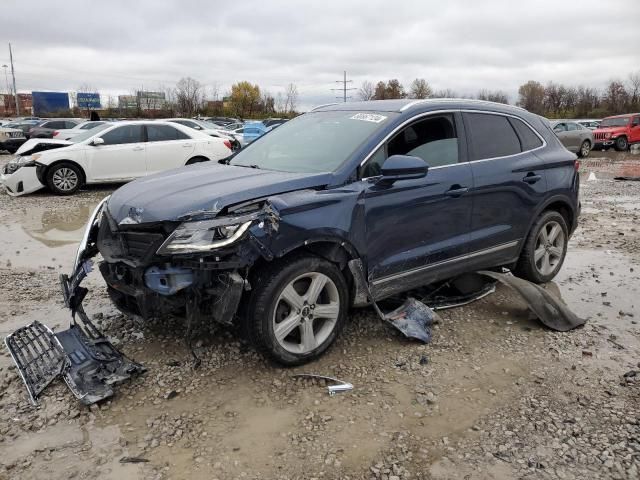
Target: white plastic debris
{"type": "Point", "coordinates": [592, 177]}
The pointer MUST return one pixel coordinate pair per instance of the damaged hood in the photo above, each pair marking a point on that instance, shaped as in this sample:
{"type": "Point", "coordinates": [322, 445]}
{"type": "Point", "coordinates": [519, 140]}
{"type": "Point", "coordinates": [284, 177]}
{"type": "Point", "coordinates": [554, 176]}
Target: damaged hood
{"type": "Point", "coordinates": [205, 187]}
{"type": "Point", "coordinates": [35, 145]}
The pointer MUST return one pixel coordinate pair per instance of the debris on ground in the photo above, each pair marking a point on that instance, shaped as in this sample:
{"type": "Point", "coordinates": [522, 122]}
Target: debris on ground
{"type": "Point", "coordinates": [340, 386]}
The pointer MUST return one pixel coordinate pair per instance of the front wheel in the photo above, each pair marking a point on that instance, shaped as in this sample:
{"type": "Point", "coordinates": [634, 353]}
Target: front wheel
{"type": "Point", "coordinates": [64, 178]}
{"type": "Point", "coordinates": [621, 144]}
{"type": "Point", "coordinates": [297, 308]}
{"type": "Point", "coordinates": [585, 149]}
{"type": "Point", "coordinates": [545, 249]}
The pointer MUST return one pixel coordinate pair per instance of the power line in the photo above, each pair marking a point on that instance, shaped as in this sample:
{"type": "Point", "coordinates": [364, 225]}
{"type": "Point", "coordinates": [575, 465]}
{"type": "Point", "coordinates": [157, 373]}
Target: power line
{"type": "Point", "coordinates": [344, 88]}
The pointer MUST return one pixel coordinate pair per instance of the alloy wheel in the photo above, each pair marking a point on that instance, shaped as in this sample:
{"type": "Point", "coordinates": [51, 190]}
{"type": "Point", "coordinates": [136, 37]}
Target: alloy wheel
{"type": "Point", "coordinates": [585, 149]}
{"type": "Point", "coordinates": [65, 179]}
{"type": "Point", "coordinates": [306, 313]}
{"type": "Point", "coordinates": [550, 246]}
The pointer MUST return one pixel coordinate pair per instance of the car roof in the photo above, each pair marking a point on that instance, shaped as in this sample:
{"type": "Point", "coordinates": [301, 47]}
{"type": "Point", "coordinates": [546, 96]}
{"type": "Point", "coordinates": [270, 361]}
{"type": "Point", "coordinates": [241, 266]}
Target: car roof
{"type": "Point", "coordinates": [624, 115]}
{"type": "Point", "coordinates": [407, 105]}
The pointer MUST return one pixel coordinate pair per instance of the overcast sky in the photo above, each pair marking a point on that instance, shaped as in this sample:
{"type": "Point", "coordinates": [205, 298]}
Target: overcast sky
{"type": "Point", "coordinates": [120, 46]}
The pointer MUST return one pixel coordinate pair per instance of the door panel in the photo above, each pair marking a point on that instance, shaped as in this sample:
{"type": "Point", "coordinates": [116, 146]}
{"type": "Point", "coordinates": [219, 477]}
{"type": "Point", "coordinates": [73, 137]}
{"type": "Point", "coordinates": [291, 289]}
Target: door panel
{"type": "Point", "coordinates": [120, 158]}
{"type": "Point", "coordinates": [414, 223]}
{"type": "Point", "coordinates": [167, 147]}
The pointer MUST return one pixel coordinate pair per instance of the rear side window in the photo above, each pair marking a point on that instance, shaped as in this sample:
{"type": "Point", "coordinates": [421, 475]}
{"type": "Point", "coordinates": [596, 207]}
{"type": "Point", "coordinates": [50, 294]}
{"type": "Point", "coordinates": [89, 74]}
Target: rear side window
{"type": "Point", "coordinates": [163, 133]}
{"type": "Point", "coordinates": [528, 139]}
{"type": "Point", "coordinates": [54, 124]}
{"type": "Point", "coordinates": [491, 136]}
{"type": "Point", "coordinates": [124, 134]}
{"type": "Point", "coordinates": [70, 124]}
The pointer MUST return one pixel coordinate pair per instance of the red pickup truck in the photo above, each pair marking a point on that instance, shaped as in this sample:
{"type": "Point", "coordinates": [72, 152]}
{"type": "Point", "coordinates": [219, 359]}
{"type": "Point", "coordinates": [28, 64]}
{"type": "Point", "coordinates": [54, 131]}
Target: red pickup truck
{"type": "Point", "coordinates": [618, 131]}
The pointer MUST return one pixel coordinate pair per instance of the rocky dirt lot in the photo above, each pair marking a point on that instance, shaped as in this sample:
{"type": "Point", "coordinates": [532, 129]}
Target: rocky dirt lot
{"type": "Point", "coordinates": [494, 396]}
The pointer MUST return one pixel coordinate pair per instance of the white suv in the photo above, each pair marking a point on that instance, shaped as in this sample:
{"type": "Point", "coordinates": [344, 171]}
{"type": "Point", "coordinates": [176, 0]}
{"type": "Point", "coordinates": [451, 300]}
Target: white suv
{"type": "Point", "coordinates": [108, 153]}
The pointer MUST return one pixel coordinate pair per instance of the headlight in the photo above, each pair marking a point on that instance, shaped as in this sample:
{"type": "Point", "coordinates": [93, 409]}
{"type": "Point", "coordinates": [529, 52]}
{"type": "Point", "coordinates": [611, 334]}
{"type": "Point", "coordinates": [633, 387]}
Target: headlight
{"type": "Point", "coordinates": [15, 163]}
{"type": "Point", "coordinates": [202, 236]}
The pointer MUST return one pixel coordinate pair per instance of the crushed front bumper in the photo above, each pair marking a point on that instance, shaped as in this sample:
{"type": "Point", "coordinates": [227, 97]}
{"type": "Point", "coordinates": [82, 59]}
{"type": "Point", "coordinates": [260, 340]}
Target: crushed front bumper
{"type": "Point", "coordinates": [21, 182]}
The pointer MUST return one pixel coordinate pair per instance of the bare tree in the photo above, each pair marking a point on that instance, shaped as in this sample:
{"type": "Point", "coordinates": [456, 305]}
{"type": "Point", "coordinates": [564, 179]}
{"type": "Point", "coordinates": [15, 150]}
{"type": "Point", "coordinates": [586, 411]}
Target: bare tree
{"type": "Point", "coordinates": [531, 97]}
{"type": "Point", "coordinates": [493, 96]}
{"type": "Point", "coordinates": [189, 96]}
{"type": "Point", "coordinates": [291, 98]}
{"type": "Point", "coordinates": [634, 90]}
{"type": "Point", "coordinates": [420, 89]}
{"type": "Point", "coordinates": [366, 91]}
{"type": "Point", "coordinates": [444, 93]}
{"type": "Point", "coordinates": [279, 103]}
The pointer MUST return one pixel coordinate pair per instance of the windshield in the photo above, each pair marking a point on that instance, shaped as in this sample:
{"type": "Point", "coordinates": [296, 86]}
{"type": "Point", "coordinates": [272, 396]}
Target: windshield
{"type": "Point", "coordinates": [89, 133]}
{"type": "Point", "coordinates": [615, 122]}
{"type": "Point", "coordinates": [314, 142]}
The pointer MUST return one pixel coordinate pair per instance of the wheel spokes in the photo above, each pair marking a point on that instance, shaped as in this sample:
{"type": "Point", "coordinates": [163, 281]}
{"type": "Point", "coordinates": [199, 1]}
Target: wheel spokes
{"type": "Point", "coordinates": [308, 338]}
{"type": "Point", "coordinates": [287, 326]}
{"type": "Point", "coordinates": [318, 281]}
{"type": "Point", "coordinates": [292, 297]}
{"type": "Point", "coordinates": [555, 230]}
{"type": "Point", "coordinates": [327, 310]}
{"type": "Point", "coordinates": [537, 255]}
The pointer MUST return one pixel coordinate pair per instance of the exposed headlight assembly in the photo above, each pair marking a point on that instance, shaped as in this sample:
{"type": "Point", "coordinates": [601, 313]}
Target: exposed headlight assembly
{"type": "Point", "coordinates": [203, 236]}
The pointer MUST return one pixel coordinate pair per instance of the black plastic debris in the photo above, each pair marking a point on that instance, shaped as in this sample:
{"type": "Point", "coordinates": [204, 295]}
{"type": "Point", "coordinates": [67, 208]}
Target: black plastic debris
{"type": "Point", "coordinates": [413, 318]}
{"type": "Point", "coordinates": [627, 179]}
{"type": "Point", "coordinates": [38, 356]}
{"type": "Point", "coordinates": [549, 309]}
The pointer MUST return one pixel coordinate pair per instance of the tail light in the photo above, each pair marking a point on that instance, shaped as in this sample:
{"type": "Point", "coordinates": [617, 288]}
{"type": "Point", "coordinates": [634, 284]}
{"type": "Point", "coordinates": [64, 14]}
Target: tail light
{"type": "Point", "coordinates": [55, 133]}
{"type": "Point", "coordinates": [576, 165]}
{"type": "Point", "coordinates": [227, 144]}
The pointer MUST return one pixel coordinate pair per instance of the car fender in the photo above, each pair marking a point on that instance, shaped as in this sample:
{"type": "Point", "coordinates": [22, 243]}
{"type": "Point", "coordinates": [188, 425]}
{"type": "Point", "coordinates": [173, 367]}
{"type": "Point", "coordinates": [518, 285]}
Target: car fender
{"type": "Point", "coordinates": [565, 200]}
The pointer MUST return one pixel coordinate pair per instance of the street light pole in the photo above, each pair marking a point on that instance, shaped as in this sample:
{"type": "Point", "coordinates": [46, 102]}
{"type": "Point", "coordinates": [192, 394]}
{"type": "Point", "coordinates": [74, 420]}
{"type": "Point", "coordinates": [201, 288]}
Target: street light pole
{"type": "Point", "coordinates": [6, 78]}
{"type": "Point", "coordinates": [13, 74]}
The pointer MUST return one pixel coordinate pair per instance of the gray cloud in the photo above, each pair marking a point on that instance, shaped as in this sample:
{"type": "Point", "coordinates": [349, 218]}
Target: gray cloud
{"type": "Point", "coordinates": [118, 46]}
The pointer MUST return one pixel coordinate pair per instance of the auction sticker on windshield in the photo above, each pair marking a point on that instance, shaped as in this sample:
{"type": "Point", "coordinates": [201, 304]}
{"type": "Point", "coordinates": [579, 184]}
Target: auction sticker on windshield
{"type": "Point", "coordinates": [369, 117]}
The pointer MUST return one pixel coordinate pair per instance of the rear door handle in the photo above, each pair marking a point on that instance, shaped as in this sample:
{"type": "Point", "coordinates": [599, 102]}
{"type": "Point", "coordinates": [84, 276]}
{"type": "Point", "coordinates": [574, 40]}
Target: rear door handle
{"type": "Point", "coordinates": [456, 191]}
{"type": "Point", "coordinates": [187, 145]}
{"type": "Point", "coordinates": [531, 178]}
{"type": "Point", "coordinates": [137, 149]}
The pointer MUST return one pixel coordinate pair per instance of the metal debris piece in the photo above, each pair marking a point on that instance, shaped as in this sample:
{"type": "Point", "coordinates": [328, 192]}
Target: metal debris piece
{"type": "Point", "coordinates": [413, 318]}
{"type": "Point", "coordinates": [333, 389]}
{"type": "Point", "coordinates": [38, 356]}
{"type": "Point", "coordinates": [551, 311]}
{"type": "Point", "coordinates": [133, 460]}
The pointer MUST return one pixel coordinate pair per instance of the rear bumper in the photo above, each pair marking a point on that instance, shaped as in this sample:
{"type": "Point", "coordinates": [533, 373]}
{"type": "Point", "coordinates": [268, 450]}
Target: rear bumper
{"type": "Point", "coordinates": [21, 182]}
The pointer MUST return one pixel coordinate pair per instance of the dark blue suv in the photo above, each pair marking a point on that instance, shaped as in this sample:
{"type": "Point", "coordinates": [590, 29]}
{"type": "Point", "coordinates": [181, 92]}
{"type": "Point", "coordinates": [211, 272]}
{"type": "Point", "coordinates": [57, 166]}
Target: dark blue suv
{"type": "Point", "coordinates": [408, 192]}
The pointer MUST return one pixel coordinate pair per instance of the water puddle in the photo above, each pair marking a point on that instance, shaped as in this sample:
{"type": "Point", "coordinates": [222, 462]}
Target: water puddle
{"type": "Point", "coordinates": [41, 236]}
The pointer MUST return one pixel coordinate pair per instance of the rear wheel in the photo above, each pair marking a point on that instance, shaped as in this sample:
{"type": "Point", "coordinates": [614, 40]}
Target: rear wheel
{"type": "Point", "coordinates": [621, 144]}
{"type": "Point", "coordinates": [545, 249]}
{"type": "Point", "coordinates": [297, 308]}
{"type": "Point", "coordinates": [585, 149]}
{"type": "Point", "coordinates": [64, 178]}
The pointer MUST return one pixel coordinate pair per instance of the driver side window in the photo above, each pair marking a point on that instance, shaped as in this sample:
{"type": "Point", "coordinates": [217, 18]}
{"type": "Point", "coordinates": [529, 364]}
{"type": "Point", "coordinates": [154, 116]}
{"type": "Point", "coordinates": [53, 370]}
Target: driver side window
{"type": "Point", "coordinates": [433, 139]}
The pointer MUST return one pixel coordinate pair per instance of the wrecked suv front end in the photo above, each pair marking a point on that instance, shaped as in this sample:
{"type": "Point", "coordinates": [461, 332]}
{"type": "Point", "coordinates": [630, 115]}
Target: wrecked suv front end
{"type": "Point", "coordinates": [196, 268]}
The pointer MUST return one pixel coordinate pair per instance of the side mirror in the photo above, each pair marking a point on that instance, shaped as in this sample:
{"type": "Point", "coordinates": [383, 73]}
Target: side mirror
{"type": "Point", "coordinates": [403, 167]}
{"type": "Point", "coordinates": [97, 141]}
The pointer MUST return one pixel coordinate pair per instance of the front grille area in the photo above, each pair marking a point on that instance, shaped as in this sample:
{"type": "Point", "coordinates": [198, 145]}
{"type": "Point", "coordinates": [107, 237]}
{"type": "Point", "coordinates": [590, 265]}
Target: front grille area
{"type": "Point", "coordinates": [16, 134]}
{"type": "Point", "coordinates": [600, 136]}
{"type": "Point", "coordinates": [136, 247]}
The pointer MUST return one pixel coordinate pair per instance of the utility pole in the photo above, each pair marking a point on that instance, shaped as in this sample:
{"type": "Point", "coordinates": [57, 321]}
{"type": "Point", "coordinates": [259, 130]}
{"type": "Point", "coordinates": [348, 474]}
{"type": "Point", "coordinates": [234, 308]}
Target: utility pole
{"type": "Point", "coordinates": [13, 74]}
{"type": "Point", "coordinates": [344, 88]}
{"type": "Point", "coordinates": [6, 79]}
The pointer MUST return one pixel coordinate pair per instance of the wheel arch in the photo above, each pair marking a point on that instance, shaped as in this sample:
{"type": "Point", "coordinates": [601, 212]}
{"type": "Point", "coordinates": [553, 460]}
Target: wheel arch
{"type": "Point", "coordinates": [197, 159]}
{"type": "Point", "coordinates": [557, 203]}
{"type": "Point", "coordinates": [42, 174]}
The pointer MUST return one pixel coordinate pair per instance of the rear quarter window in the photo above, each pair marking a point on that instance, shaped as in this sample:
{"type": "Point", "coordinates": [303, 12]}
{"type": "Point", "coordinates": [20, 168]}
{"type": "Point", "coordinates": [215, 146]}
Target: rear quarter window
{"type": "Point", "coordinates": [491, 136]}
{"type": "Point", "coordinates": [528, 139]}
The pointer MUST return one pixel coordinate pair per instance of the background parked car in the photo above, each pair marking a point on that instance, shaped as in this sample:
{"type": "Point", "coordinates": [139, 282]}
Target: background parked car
{"type": "Point", "coordinates": [222, 120]}
{"type": "Point", "coordinates": [249, 132]}
{"type": "Point", "coordinates": [273, 122]}
{"type": "Point", "coordinates": [618, 131]}
{"type": "Point", "coordinates": [591, 124]}
{"type": "Point", "coordinates": [11, 138]}
{"type": "Point", "coordinates": [110, 153]}
{"type": "Point", "coordinates": [67, 133]}
{"type": "Point", "coordinates": [575, 137]}
{"type": "Point", "coordinates": [208, 128]}
{"type": "Point", "coordinates": [45, 128]}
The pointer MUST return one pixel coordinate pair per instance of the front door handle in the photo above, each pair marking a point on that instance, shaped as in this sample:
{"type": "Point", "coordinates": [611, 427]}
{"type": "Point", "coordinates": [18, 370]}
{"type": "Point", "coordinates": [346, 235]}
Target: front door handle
{"type": "Point", "coordinates": [531, 178]}
{"type": "Point", "coordinates": [137, 149]}
{"type": "Point", "coordinates": [188, 145]}
{"type": "Point", "coordinates": [456, 191]}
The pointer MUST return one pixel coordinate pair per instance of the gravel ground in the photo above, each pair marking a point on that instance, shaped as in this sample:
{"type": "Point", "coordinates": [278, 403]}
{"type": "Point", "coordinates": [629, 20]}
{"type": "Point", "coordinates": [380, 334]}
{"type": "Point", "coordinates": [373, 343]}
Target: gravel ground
{"type": "Point", "coordinates": [494, 396]}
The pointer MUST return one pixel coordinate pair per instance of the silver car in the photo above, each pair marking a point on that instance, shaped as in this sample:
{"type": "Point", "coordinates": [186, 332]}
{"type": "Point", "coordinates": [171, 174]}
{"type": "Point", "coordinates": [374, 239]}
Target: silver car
{"type": "Point", "coordinates": [575, 137]}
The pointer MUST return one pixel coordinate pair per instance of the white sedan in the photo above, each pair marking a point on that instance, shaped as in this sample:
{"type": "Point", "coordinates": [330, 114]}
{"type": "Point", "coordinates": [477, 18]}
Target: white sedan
{"type": "Point", "coordinates": [68, 133]}
{"type": "Point", "coordinates": [109, 153]}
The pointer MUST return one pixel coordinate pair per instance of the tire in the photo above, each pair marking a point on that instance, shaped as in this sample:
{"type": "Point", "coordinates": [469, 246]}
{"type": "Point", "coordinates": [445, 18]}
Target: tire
{"type": "Point", "coordinates": [279, 286]}
{"type": "Point", "coordinates": [621, 144]}
{"type": "Point", "coordinates": [542, 256]}
{"type": "Point", "coordinates": [64, 178]}
{"type": "Point", "coordinates": [193, 160]}
{"type": "Point", "coordinates": [585, 149]}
